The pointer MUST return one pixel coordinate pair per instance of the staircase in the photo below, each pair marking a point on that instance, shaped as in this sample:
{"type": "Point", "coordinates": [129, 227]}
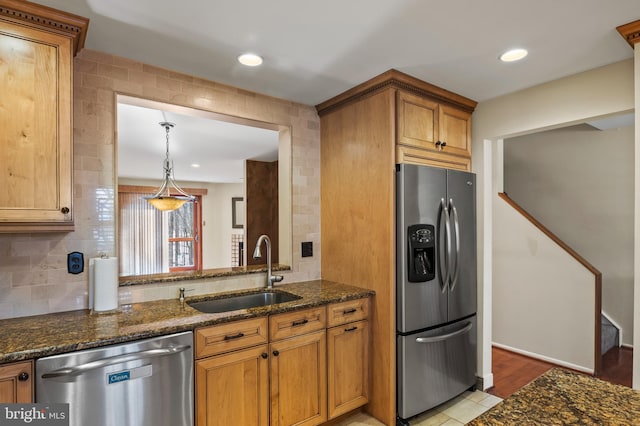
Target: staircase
{"type": "Point", "coordinates": [610, 335]}
{"type": "Point", "coordinates": [517, 229]}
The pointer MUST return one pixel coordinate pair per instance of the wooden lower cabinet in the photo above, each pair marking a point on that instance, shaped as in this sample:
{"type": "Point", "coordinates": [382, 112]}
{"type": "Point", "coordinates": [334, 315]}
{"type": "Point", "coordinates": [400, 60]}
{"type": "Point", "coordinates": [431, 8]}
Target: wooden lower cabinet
{"type": "Point", "coordinates": [299, 373]}
{"type": "Point", "coordinates": [348, 367]}
{"type": "Point", "coordinates": [16, 383]}
{"type": "Point", "coordinates": [299, 380]}
{"type": "Point", "coordinates": [233, 389]}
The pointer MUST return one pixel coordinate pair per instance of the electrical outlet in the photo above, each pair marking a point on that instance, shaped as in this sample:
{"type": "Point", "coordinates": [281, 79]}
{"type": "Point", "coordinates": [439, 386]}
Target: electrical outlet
{"type": "Point", "coordinates": [75, 262]}
{"type": "Point", "coordinates": [307, 249]}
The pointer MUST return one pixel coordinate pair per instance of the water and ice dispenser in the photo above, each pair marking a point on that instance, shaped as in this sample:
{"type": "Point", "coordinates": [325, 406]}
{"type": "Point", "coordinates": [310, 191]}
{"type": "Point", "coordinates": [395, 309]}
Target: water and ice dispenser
{"type": "Point", "coordinates": [422, 252]}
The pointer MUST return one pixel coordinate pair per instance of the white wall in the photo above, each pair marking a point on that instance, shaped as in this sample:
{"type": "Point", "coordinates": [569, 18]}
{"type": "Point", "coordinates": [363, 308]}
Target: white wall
{"type": "Point", "coordinates": [534, 283]}
{"type": "Point", "coordinates": [216, 229]}
{"type": "Point", "coordinates": [595, 93]}
{"type": "Point", "coordinates": [578, 181]}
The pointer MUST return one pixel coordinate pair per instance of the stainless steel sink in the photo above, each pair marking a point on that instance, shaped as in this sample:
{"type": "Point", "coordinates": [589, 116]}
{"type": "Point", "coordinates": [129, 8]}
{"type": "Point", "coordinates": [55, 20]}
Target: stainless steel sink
{"type": "Point", "coordinates": [243, 301]}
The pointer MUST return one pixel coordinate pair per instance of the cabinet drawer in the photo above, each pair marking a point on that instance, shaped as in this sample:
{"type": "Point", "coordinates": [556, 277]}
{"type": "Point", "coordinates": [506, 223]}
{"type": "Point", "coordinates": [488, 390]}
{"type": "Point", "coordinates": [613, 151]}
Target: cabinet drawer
{"type": "Point", "coordinates": [218, 339]}
{"type": "Point", "coordinates": [409, 155]}
{"type": "Point", "coordinates": [282, 326]}
{"type": "Point", "coordinates": [344, 312]}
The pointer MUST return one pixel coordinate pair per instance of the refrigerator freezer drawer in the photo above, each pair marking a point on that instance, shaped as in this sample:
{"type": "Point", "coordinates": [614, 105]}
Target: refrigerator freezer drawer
{"type": "Point", "coordinates": [435, 366]}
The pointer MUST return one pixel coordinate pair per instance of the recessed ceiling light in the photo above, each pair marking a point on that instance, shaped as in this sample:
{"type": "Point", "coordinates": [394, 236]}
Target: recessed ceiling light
{"type": "Point", "coordinates": [250, 59]}
{"type": "Point", "coordinates": [513, 55]}
{"type": "Point", "coordinates": [195, 166]}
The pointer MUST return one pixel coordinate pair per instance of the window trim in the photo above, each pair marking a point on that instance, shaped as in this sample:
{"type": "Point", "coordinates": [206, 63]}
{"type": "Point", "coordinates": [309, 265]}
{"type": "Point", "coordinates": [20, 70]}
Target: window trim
{"type": "Point", "coordinates": [197, 255]}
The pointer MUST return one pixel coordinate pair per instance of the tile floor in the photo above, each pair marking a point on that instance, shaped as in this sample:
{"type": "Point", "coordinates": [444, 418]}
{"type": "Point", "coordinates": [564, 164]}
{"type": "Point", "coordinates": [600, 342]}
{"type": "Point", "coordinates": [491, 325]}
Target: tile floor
{"type": "Point", "coordinates": [456, 412]}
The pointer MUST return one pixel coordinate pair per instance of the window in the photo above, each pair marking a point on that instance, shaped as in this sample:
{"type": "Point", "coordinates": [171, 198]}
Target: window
{"type": "Point", "coordinates": [184, 237]}
{"type": "Point", "coordinates": [152, 241]}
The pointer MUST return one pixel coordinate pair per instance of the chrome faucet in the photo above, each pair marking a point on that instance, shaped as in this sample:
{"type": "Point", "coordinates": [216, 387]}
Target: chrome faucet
{"type": "Point", "coordinates": [182, 290]}
{"type": "Point", "coordinates": [257, 254]}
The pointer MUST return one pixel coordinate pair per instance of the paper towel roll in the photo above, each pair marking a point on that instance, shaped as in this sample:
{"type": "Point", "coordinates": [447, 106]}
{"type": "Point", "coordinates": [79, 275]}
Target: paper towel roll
{"type": "Point", "coordinates": [105, 283]}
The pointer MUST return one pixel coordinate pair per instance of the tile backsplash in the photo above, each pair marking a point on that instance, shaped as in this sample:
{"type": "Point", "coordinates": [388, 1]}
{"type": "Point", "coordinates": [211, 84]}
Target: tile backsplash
{"type": "Point", "coordinates": [33, 274]}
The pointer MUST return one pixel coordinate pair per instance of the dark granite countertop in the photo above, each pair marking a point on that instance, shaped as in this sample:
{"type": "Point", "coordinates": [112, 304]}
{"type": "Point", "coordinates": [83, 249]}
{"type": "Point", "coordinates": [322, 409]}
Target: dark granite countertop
{"type": "Point", "coordinates": [43, 335]}
{"type": "Point", "coordinates": [561, 397]}
{"type": "Point", "coordinates": [198, 275]}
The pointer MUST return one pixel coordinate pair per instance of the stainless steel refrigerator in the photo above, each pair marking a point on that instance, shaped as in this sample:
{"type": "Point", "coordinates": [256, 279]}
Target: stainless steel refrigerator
{"type": "Point", "coordinates": [435, 286]}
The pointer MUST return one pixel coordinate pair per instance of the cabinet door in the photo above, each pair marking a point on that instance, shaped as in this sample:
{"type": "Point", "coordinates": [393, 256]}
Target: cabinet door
{"type": "Point", "coordinates": [455, 130]}
{"type": "Point", "coordinates": [348, 367]}
{"type": "Point", "coordinates": [417, 123]}
{"type": "Point", "coordinates": [233, 389]}
{"type": "Point", "coordinates": [299, 380]}
{"type": "Point", "coordinates": [16, 383]}
{"type": "Point", "coordinates": [36, 123]}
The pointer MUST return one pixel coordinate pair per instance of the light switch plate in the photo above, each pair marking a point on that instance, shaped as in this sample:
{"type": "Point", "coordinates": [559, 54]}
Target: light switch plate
{"type": "Point", "coordinates": [307, 249]}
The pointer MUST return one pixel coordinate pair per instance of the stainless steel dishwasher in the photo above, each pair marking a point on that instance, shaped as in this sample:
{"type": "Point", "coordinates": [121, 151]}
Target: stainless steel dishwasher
{"type": "Point", "coordinates": [142, 383]}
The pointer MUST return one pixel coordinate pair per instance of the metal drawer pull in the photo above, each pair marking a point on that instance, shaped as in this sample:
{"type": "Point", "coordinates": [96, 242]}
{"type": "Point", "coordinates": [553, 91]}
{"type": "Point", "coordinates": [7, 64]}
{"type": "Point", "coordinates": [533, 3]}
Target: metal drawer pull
{"type": "Point", "coordinates": [444, 336]}
{"type": "Point", "coordinates": [104, 362]}
{"type": "Point", "coordinates": [351, 328]}
{"type": "Point", "coordinates": [349, 311]}
{"type": "Point", "coordinates": [299, 322]}
{"type": "Point", "coordinates": [235, 336]}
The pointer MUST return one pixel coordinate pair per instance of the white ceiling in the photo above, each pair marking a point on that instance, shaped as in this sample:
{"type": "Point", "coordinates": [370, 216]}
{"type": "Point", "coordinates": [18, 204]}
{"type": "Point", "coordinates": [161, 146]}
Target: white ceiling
{"type": "Point", "coordinates": [219, 148]}
{"type": "Point", "coordinates": [314, 50]}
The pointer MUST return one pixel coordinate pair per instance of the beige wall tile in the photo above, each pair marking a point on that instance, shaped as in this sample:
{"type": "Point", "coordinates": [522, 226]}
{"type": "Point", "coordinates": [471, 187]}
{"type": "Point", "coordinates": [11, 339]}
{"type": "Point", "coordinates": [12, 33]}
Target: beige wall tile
{"type": "Point", "coordinates": [33, 266]}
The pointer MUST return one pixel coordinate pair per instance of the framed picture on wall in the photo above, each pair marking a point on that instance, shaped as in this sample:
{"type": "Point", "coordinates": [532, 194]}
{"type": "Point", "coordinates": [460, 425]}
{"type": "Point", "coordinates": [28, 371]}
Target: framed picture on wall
{"type": "Point", "coordinates": [237, 212]}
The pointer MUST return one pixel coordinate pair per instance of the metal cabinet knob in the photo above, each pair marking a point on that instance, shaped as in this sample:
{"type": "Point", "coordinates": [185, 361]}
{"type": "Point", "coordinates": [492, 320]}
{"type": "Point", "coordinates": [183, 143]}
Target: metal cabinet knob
{"type": "Point", "coordinates": [23, 377]}
{"type": "Point", "coordinates": [64, 210]}
{"type": "Point", "coordinates": [276, 353]}
{"type": "Point", "coordinates": [264, 355]}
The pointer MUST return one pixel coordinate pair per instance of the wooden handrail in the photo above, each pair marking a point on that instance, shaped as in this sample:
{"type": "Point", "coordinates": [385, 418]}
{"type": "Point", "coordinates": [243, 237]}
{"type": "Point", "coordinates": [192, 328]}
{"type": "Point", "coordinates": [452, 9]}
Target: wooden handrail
{"type": "Point", "coordinates": [596, 273]}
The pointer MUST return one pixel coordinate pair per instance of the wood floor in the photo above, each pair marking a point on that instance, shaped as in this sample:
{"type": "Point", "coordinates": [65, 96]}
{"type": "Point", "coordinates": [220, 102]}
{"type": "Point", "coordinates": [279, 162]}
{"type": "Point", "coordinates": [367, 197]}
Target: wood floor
{"type": "Point", "coordinates": [512, 371]}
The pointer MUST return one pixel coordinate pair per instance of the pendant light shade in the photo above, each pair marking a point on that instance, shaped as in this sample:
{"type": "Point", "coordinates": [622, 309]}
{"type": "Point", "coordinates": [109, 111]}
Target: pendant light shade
{"type": "Point", "coordinates": [170, 196]}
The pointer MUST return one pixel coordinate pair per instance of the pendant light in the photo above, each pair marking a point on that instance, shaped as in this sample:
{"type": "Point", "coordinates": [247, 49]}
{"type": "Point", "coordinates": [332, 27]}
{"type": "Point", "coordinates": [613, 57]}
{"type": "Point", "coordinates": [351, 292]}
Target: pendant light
{"type": "Point", "coordinates": [163, 199]}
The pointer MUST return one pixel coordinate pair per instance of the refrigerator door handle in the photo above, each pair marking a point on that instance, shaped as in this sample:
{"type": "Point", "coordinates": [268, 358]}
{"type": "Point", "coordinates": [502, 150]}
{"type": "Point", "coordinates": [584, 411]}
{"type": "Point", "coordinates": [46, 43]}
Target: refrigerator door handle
{"type": "Point", "coordinates": [456, 226]}
{"type": "Point", "coordinates": [443, 273]}
{"type": "Point", "coordinates": [446, 336]}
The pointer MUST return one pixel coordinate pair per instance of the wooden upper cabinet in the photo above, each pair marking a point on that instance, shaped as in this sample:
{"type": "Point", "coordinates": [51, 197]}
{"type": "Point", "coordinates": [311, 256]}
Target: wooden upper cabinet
{"type": "Point", "coordinates": [37, 45]}
{"type": "Point", "coordinates": [432, 125]}
{"type": "Point", "coordinates": [455, 130]}
{"type": "Point", "coordinates": [432, 133]}
{"type": "Point", "coordinates": [417, 121]}
{"type": "Point", "coordinates": [16, 383]}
